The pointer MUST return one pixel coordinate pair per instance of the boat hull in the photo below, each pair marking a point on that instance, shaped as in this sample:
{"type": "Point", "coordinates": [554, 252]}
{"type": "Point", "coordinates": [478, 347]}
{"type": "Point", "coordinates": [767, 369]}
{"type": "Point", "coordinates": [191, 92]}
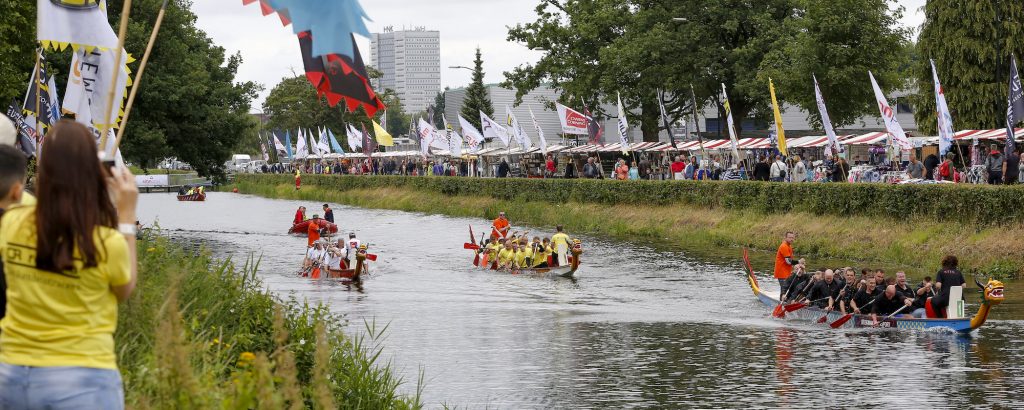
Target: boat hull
{"type": "Point", "coordinates": [556, 272]}
{"type": "Point", "coordinates": [192, 198]}
{"type": "Point", "coordinates": [302, 228]}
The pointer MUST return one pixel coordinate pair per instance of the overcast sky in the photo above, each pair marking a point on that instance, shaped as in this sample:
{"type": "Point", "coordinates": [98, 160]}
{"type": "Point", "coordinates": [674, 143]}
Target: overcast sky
{"type": "Point", "coordinates": [270, 52]}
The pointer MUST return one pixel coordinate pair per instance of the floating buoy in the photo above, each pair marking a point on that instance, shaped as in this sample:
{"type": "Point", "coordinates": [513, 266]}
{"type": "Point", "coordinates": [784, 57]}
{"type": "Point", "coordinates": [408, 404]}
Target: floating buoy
{"type": "Point", "coordinates": [235, 190]}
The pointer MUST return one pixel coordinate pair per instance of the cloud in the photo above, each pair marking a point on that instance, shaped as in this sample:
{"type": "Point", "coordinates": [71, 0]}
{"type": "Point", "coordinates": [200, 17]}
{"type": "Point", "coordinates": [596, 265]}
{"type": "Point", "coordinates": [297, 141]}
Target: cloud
{"type": "Point", "coordinates": [271, 52]}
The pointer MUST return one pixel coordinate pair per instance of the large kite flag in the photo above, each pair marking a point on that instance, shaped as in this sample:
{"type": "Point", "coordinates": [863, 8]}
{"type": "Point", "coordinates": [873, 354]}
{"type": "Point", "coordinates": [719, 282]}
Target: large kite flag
{"type": "Point", "coordinates": [332, 21]}
{"type": "Point", "coordinates": [339, 77]}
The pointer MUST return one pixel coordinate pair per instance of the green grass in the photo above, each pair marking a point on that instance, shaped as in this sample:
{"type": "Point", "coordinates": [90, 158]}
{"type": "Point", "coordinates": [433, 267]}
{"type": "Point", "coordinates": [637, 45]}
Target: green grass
{"type": "Point", "coordinates": [205, 334]}
{"type": "Point", "coordinates": [915, 244]}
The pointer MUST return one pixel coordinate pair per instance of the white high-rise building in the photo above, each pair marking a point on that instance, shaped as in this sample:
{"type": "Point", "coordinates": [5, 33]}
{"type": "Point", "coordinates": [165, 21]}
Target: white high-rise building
{"type": "Point", "coordinates": [410, 61]}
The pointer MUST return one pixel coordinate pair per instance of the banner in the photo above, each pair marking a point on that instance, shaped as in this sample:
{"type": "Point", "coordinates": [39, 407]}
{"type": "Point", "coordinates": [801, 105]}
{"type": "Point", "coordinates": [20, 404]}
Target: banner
{"type": "Point", "coordinates": [942, 113]}
{"type": "Point", "coordinates": [300, 145]}
{"type": "Point", "coordinates": [492, 129]}
{"type": "Point", "coordinates": [334, 142]}
{"type": "Point", "coordinates": [780, 133]}
{"type": "Point", "coordinates": [151, 180]}
{"type": "Point", "coordinates": [431, 137]}
{"type": "Point", "coordinates": [383, 138]}
{"type": "Point", "coordinates": [354, 138]}
{"type": "Point", "coordinates": [472, 135]}
{"type": "Point", "coordinates": [665, 120]}
{"type": "Point", "coordinates": [594, 128]}
{"type": "Point", "coordinates": [540, 134]}
{"type": "Point", "coordinates": [623, 127]}
{"type": "Point", "coordinates": [1014, 104]}
{"type": "Point", "coordinates": [60, 23]}
{"type": "Point", "coordinates": [454, 139]}
{"type": "Point", "coordinates": [517, 130]}
{"type": "Point", "coordinates": [833, 141]}
{"type": "Point", "coordinates": [899, 137]}
{"type": "Point", "coordinates": [732, 125]}
{"type": "Point", "coordinates": [288, 143]}
{"type": "Point", "coordinates": [88, 84]}
{"type": "Point", "coordinates": [573, 122]}
{"type": "Point", "coordinates": [280, 148]}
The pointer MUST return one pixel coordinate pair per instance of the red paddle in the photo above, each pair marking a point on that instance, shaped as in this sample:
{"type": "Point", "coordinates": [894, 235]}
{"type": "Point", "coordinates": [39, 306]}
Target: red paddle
{"type": "Point", "coordinates": [371, 257]}
{"type": "Point", "coordinates": [470, 246]}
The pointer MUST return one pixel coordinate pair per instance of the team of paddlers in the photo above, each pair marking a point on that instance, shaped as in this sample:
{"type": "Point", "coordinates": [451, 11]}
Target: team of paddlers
{"type": "Point", "coordinates": [324, 256]}
{"type": "Point", "coordinates": [516, 251]}
{"type": "Point", "coordinates": [871, 293]}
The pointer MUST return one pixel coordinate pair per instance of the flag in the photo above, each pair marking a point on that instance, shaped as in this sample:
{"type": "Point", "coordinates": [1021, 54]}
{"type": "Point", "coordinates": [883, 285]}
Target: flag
{"type": "Point", "coordinates": [1015, 104]}
{"type": "Point", "coordinates": [26, 134]}
{"type": "Point", "coordinates": [36, 94]}
{"type": "Point", "coordinates": [280, 148]}
{"type": "Point", "coordinates": [594, 128]}
{"type": "Point", "coordinates": [942, 113]}
{"type": "Point", "coordinates": [88, 85]}
{"type": "Point", "coordinates": [368, 145]}
{"type": "Point", "coordinates": [780, 133]}
{"type": "Point", "coordinates": [51, 87]}
{"type": "Point", "coordinates": [78, 23]}
{"type": "Point", "coordinates": [453, 138]}
{"type": "Point", "coordinates": [287, 143]}
{"type": "Point", "coordinates": [382, 135]}
{"type": "Point", "coordinates": [263, 148]}
{"type": "Point", "coordinates": [731, 124]}
{"type": "Point", "coordinates": [430, 136]}
{"type": "Point", "coordinates": [889, 117]}
{"type": "Point", "coordinates": [472, 135]}
{"type": "Point", "coordinates": [354, 137]}
{"type": "Point", "coordinates": [323, 145]}
{"type": "Point", "coordinates": [696, 123]}
{"type": "Point", "coordinates": [833, 141]}
{"type": "Point", "coordinates": [665, 119]}
{"type": "Point", "coordinates": [332, 21]}
{"type": "Point", "coordinates": [414, 132]}
{"type": "Point", "coordinates": [623, 126]}
{"type": "Point", "coordinates": [339, 77]}
{"type": "Point", "coordinates": [517, 130]}
{"type": "Point", "coordinates": [334, 142]}
{"type": "Point", "coordinates": [300, 145]}
{"type": "Point", "coordinates": [540, 134]}
{"type": "Point", "coordinates": [493, 129]}
{"type": "Point", "coordinates": [425, 132]}
{"type": "Point", "coordinates": [573, 122]}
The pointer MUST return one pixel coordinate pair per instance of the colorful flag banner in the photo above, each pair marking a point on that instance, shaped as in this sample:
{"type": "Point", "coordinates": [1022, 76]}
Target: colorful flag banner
{"type": "Point", "coordinates": [594, 128]}
{"type": "Point", "coordinates": [88, 84]}
{"type": "Point", "coordinates": [780, 133]}
{"type": "Point", "coordinates": [573, 122]}
{"type": "Point", "coordinates": [78, 23]}
{"type": "Point", "coordinates": [899, 137]}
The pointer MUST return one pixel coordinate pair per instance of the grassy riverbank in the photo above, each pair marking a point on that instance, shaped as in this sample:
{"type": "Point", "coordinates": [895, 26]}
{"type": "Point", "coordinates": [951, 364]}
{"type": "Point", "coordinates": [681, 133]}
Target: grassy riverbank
{"type": "Point", "coordinates": [917, 242]}
{"type": "Point", "coordinates": [205, 334]}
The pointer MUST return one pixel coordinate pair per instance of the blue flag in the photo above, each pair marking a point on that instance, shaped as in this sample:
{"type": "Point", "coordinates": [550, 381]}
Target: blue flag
{"type": "Point", "coordinates": [288, 142]}
{"type": "Point", "coordinates": [334, 142]}
{"type": "Point", "coordinates": [1014, 104]}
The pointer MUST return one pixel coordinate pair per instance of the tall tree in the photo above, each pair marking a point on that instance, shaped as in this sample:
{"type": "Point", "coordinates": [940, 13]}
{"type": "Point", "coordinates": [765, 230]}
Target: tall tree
{"type": "Point", "coordinates": [476, 95]}
{"type": "Point", "coordinates": [397, 119]}
{"type": "Point", "coordinates": [971, 43]}
{"type": "Point", "coordinates": [17, 42]}
{"type": "Point", "coordinates": [838, 41]}
{"type": "Point", "coordinates": [439, 109]}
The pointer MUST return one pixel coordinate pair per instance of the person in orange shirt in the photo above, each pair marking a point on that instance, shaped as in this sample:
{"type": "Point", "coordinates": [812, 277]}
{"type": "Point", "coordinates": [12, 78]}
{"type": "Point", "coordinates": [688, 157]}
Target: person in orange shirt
{"type": "Point", "coordinates": [784, 260]}
{"type": "Point", "coordinates": [313, 230]}
{"type": "Point", "coordinates": [500, 226]}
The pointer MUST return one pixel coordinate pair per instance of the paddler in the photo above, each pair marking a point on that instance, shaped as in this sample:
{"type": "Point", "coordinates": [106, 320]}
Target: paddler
{"type": "Point", "coordinates": [300, 215]}
{"type": "Point", "coordinates": [352, 247]}
{"type": "Point", "coordinates": [313, 230]}
{"type": "Point", "coordinates": [506, 257]}
{"type": "Point", "coordinates": [541, 252]}
{"type": "Point", "coordinates": [500, 226]}
{"type": "Point", "coordinates": [560, 238]}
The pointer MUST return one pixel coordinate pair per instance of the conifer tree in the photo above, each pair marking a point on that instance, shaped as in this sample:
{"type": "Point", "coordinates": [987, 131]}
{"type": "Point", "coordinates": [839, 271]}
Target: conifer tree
{"type": "Point", "coordinates": [476, 95]}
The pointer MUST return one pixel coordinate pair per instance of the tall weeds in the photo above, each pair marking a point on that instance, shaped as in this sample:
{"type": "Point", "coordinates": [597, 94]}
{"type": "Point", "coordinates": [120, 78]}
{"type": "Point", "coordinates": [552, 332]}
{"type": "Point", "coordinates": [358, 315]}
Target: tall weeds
{"type": "Point", "coordinates": [203, 334]}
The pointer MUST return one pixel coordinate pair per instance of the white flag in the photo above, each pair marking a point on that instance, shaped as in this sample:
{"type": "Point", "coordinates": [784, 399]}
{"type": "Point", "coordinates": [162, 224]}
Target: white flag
{"type": "Point", "coordinates": [323, 146]}
{"type": "Point", "coordinates": [454, 139]}
{"type": "Point", "coordinates": [354, 137]}
{"type": "Point", "coordinates": [623, 127]}
{"type": "Point", "coordinates": [492, 129]}
{"type": "Point", "coordinates": [281, 150]}
{"type": "Point", "coordinates": [58, 25]}
{"type": "Point", "coordinates": [833, 141]}
{"type": "Point", "coordinates": [431, 136]}
{"type": "Point", "coordinates": [942, 112]}
{"type": "Point", "coordinates": [472, 135]}
{"type": "Point", "coordinates": [540, 134]}
{"type": "Point", "coordinates": [732, 125]}
{"type": "Point", "coordinates": [517, 130]}
{"type": "Point", "coordinates": [573, 122]}
{"type": "Point", "coordinates": [88, 84]}
{"type": "Point", "coordinates": [889, 117]}
{"type": "Point", "coordinates": [300, 145]}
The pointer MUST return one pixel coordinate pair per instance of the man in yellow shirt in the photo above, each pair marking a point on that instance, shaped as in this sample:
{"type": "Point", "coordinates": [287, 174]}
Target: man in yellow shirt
{"type": "Point", "coordinates": [506, 257]}
{"type": "Point", "coordinates": [560, 238]}
{"type": "Point", "coordinates": [525, 256]}
{"type": "Point", "coordinates": [540, 259]}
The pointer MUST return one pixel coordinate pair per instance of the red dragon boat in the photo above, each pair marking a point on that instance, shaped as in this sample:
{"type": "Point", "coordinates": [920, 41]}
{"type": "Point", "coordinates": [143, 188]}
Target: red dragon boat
{"type": "Point", "coordinates": [197, 197]}
{"type": "Point", "coordinates": [302, 228]}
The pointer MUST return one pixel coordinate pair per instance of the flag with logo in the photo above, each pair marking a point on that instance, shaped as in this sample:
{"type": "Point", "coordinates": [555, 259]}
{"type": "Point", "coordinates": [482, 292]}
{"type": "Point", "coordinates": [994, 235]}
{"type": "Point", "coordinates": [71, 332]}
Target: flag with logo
{"type": "Point", "coordinates": [26, 134]}
{"type": "Point", "coordinates": [453, 138]}
{"type": "Point", "coordinates": [623, 126]}
{"type": "Point", "coordinates": [942, 112]}
{"type": "Point", "coordinates": [732, 126]}
{"type": "Point", "coordinates": [300, 145]}
{"type": "Point", "coordinates": [1014, 104]}
{"type": "Point", "coordinates": [493, 129]}
{"type": "Point", "coordinates": [664, 118]}
{"type": "Point", "coordinates": [573, 122]}
{"type": "Point", "coordinates": [88, 86]}
{"type": "Point", "coordinates": [263, 149]}
{"type": "Point", "coordinates": [472, 135]}
{"type": "Point", "coordinates": [383, 138]}
{"type": "Point", "coordinates": [517, 130]}
{"type": "Point", "coordinates": [76, 23]}
{"type": "Point", "coordinates": [780, 133]}
{"type": "Point", "coordinates": [426, 135]}
{"type": "Point", "coordinates": [892, 126]}
{"type": "Point", "coordinates": [594, 128]}
{"type": "Point", "coordinates": [833, 141]}
{"type": "Point", "coordinates": [41, 95]}
{"type": "Point", "coordinates": [540, 134]}
{"type": "Point", "coordinates": [280, 148]}
{"type": "Point", "coordinates": [324, 145]}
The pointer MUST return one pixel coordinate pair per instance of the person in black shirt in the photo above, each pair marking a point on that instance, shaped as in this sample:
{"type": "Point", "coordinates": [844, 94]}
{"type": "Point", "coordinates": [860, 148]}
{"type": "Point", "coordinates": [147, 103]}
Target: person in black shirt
{"type": "Point", "coordinates": [1011, 170]}
{"type": "Point", "coordinates": [12, 184]}
{"type": "Point", "coordinates": [762, 170]}
{"type": "Point", "coordinates": [879, 281]}
{"type": "Point", "coordinates": [930, 163]}
{"type": "Point", "coordinates": [924, 291]}
{"type": "Point", "coordinates": [948, 277]}
{"type": "Point", "coordinates": [797, 283]}
{"type": "Point", "coordinates": [328, 214]}
{"type": "Point", "coordinates": [850, 287]}
{"type": "Point", "coordinates": [902, 287]}
{"type": "Point", "coordinates": [863, 298]}
{"type": "Point", "coordinates": [823, 292]}
{"type": "Point", "coordinates": [888, 303]}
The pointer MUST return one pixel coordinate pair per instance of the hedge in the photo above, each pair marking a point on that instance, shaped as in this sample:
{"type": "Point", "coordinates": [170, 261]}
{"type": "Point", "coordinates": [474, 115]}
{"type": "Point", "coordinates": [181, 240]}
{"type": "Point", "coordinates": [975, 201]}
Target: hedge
{"type": "Point", "coordinates": [978, 204]}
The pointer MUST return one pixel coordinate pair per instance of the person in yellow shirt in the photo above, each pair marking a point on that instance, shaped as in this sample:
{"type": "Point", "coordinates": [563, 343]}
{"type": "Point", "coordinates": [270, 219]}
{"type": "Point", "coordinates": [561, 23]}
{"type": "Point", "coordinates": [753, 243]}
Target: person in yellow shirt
{"type": "Point", "coordinates": [66, 269]}
{"type": "Point", "coordinates": [540, 260]}
{"type": "Point", "coordinates": [560, 238]}
{"type": "Point", "coordinates": [493, 247]}
{"type": "Point", "coordinates": [526, 254]}
{"type": "Point", "coordinates": [506, 257]}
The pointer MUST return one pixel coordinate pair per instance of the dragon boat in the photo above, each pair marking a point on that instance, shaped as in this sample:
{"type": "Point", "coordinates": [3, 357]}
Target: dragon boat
{"type": "Point", "coordinates": [992, 296]}
{"type": "Point", "coordinates": [320, 270]}
{"type": "Point", "coordinates": [302, 228]}
{"type": "Point", "coordinates": [567, 270]}
{"type": "Point", "coordinates": [196, 197]}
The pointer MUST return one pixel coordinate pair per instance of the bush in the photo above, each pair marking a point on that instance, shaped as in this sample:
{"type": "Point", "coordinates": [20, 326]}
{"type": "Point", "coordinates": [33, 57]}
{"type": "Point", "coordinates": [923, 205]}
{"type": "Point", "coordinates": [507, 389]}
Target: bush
{"type": "Point", "coordinates": [977, 204]}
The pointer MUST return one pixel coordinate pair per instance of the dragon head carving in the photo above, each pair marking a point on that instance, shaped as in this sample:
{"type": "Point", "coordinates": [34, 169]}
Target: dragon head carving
{"type": "Point", "coordinates": [577, 247]}
{"type": "Point", "coordinates": [992, 291]}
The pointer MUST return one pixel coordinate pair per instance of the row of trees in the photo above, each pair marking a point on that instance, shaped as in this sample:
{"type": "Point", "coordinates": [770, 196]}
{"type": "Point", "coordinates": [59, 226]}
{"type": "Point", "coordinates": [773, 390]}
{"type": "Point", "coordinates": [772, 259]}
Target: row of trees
{"type": "Point", "coordinates": [189, 105]}
{"type": "Point", "coordinates": [595, 49]}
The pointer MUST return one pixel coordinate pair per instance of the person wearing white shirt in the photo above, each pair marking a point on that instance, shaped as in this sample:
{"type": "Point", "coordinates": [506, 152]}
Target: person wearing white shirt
{"type": "Point", "coordinates": [778, 170]}
{"type": "Point", "coordinates": [351, 247]}
{"type": "Point", "coordinates": [336, 255]}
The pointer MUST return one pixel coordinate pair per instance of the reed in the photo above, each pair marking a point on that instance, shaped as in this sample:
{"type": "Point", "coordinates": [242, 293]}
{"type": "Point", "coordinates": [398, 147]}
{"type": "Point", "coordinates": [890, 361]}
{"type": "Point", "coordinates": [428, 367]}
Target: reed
{"type": "Point", "coordinates": [200, 333]}
{"type": "Point", "coordinates": [916, 244]}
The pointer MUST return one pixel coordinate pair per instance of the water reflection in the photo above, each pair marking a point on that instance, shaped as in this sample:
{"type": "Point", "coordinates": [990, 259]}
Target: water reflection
{"type": "Point", "coordinates": [641, 328]}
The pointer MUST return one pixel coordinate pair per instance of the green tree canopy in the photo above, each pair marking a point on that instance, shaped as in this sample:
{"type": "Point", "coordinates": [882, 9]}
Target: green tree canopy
{"type": "Point", "coordinates": [476, 95]}
{"type": "Point", "coordinates": [971, 43]}
{"type": "Point", "coordinates": [293, 104]}
{"type": "Point", "coordinates": [17, 41]}
{"type": "Point", "coordinates": [439, 109]}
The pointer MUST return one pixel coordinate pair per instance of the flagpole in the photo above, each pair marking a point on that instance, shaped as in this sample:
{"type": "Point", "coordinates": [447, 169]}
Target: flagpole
{"type": "Point", "coordinates": [122, 32]}
{"type": "Point", "coordinates": [39, 96]}
{"type": "Point", "coordinates": [138, 77]}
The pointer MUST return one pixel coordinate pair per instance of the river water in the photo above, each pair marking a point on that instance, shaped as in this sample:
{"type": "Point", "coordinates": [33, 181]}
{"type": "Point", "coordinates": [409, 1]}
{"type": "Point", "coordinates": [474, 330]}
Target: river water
{"type": "Point", "coordinates": [641, 327]}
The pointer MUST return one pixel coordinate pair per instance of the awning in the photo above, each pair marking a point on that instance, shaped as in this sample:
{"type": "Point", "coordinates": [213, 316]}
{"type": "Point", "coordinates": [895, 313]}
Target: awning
{"type": "Point", "coordinates": [867, 139]}
{"type": "Point", "coordinates": [996, 134]}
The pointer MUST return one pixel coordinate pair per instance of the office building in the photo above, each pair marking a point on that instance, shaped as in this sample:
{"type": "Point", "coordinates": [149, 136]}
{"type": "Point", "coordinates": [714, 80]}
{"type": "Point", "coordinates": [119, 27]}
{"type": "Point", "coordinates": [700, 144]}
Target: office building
{"type": "Point", "coordinates": [410, 61]}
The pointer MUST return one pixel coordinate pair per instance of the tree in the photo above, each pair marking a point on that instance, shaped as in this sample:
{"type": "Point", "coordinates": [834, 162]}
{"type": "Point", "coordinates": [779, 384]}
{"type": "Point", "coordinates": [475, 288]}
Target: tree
{"type": "Point", "coordinates": [397, 119]}
{"type": "Point", "coordinates": [293, 104]}
{"type": "Point", "coordinates": [971, 43]}
{"type": "Point", "coordinates": [17, 43]}
{"type": "Point", "coordinates": [838, 41]}
{"type": "Point", "coordinates": [439, 109]}
{"type": "Point", "coordinates": [476, 95]}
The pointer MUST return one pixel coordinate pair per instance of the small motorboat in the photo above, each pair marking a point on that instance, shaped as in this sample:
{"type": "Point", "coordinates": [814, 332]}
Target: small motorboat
{"type": "Point", "coordinates": [302, 228]}
{"type": "Point", "coordinates": [191, 193]}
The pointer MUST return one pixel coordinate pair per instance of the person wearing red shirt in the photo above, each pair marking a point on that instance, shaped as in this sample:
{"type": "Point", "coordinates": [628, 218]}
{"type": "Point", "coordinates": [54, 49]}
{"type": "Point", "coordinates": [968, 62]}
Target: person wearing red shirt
{"type": "Point", "coordinates": [298, 180]}
{"type": "Point", "coordinates": [313, 231]}
{"type": "Point", "coordinates": [550, 165]}
{"type": "Point", "coordinates": [784, 260]}
{"type": "Point", "coordinates": [300, 215]}
{"type": "Point", "coordinates": [677, 168]}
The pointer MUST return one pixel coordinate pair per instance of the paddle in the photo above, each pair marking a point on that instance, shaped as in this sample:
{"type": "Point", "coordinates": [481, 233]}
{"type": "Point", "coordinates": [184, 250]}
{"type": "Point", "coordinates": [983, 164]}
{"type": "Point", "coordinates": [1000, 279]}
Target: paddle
{"type": "Point", "coordinates": [846, 318]}
{"type": "Point", "coordinates": [470, 246]}
{"type": "Point", "coordinates": [890, 316]}
{"type": "Point", "coordinates": [780, 310]}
